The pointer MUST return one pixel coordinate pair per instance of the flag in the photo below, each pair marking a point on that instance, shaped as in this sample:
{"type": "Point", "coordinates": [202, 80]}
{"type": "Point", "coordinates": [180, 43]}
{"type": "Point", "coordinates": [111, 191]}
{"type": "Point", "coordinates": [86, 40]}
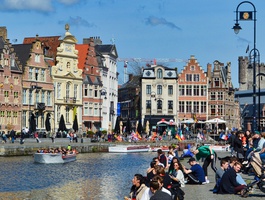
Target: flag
{"type": "Point", "coordinates": [247, 49]}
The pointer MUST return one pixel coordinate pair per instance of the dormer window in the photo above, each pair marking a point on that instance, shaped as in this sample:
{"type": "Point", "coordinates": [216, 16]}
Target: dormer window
{"type": "Point", "coordinates": [159, 73]}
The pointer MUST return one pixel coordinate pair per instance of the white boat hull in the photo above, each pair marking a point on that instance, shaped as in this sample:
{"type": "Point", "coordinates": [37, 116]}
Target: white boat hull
{"type": "Point", "coordinates": [128, 149]}
{"type": "Point", "coordinates": [48, 158]}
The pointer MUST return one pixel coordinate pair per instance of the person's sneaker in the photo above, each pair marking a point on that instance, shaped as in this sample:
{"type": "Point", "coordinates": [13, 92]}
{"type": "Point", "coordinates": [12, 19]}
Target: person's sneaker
{"type": "Point", "coordinates": [207, 181]}
{"type": "Point", "coordinates": [203, 183]}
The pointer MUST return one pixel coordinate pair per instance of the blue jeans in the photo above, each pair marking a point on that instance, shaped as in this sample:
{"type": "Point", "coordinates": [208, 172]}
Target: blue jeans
{"type": "Point", "coordinates": [240, 180]}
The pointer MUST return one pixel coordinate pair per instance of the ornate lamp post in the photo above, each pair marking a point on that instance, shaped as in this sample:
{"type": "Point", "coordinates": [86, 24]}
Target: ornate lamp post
{"type": "Point", "coordinates": [249, 16]}
{"type": "Point", "coordinates": [103, 92]}
{"type": "Point", "coordinates": [152, 95]}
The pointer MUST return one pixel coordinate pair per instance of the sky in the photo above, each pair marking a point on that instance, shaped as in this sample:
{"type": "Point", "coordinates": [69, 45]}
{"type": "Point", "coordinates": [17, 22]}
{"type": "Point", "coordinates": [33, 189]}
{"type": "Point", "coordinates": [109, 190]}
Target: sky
{"type": "Point", "coordinates": [147, 29]}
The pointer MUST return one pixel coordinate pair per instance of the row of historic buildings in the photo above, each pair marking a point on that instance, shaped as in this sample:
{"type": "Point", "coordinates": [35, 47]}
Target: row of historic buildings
{"type": "Point", "coordinates": [163, 93]}
{"type": "Point", "coordinates": [50, 77]}
{"type": "Point", "coordinates": [54, 77]}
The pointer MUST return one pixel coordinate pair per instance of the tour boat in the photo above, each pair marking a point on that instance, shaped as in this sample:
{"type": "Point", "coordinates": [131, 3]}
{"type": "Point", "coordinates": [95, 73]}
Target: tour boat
{"type": "Point", "coordinates": [49, 158]}
{"type": "Point", "coordinates": [129, 148]}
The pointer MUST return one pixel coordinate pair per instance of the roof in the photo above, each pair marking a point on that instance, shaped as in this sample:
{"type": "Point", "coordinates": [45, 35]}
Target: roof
{"type": "Point", "coordinates": [108, 49]}
{"type": "Point", "coordinates": [82, 54]}
{"type": "Point", "coordinates": [133, 83]}
{"type": "Point", "coordinates": [50, 43]}
{"type": "Point", "coordinates": [22, 52]}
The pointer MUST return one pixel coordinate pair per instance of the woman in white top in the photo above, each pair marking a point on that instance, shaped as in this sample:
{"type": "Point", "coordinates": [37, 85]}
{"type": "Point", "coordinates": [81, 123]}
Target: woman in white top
{"type": "Point", "coordinates": [177, 176]}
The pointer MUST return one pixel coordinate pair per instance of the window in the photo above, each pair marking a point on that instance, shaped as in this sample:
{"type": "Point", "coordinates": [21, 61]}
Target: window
{"type": "Point", "coordinates": [85, 91]}
{"type": "Point", "coordinates": [212, 95]}
{"type": "Point", "coordinates": [189, 90]}
{"type": "Point", "coordinates": [203, 90]}
{"type": "Point", "coordinates": [189, 77]}
{"type": "Point", "coordinates": [58, 113]}
{"type": "Point", "coordinates": [203, 107]}
{"type": "Point", "coordinates": [181, 90]}
{"type": "Point", "coordinates": [216, 82]}
{"type": "Point", "coordinates": [159, 104]}
{"type": "Point", "coordinates": [6, 79]}
{"type": "Point", "coordinates": [6, 93]}
{"type": "Point", "coordinates": [148, 89]}
{"type": "Point", "coordinates": [196, 77]}
{"type": "Point", "coordinates": [96, 93]}
{"type": "Point", "coordinates": [37, 96]}
{"type": "Point", "coordinates": [24, 98]}
{"type": "Point", "coordinates": [96, 113]}
{"type": "Point", "coordinates": [37, 58]}
{"type": "Point", "coordinates": [86, 108]}
{"type": "Point", "coordinates": [30, 97]}
{"type": "Point", "coordinates": [220, 110]}
{"type": "Point", "coordinates": [170, 105]}
{"type": "Point", "coordinates": [148, 104]}
{"type": "Point", "coordinates": [48, 98]}
{"type": "Point", "coordinates": [30, 73]}
{"type": "Point", "coordinates": [213, 110]}
{"type": "Point", "coordinates": [36, 74]}
{"type": "Point", "coordinates": [67, 110]}
{"type": "Point", "coordinates": [196, 108]}
{"type": "Point", "coordinates": [15, 95]}
{"type": "Point", "coordinates": [42, 76]}
{"type": "Point", "coordinates": [90, 92]}
{"type": "Point", "coordinates": [159, 89]}
{"type": "Point", "coordinates": [75, 90]}
{"type": "Point", "coordinates": [16, 80]}
{"type": "Point", "coordinates": [192, 68]}
{"type": "Point", "coordinates": [170, 90]}
{"type": "Point", "coordinates": [59, 85]}
{"type": "Point", "coordinates": [196, 90]}
{"type": "Point", "coordinates": [181, 106]}
{"type": "Point", "coordinates": [43, 96]}
{"type": "Point", "coordinates": [220, 96]}
{"type": "Point", "coordinates": [67, 91]}
{"type": "Point", "coordinates": [90, 109]}
{"type": "Point", "coordinates": [159, 73]}
{"type": "Point", "coordinates": [188, 107]}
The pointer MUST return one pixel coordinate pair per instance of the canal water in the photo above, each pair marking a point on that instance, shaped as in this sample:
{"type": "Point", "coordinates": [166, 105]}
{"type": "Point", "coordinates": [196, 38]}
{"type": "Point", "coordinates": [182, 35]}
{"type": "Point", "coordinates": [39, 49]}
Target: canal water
{"type": "Point", "coordinates": [94, 176]}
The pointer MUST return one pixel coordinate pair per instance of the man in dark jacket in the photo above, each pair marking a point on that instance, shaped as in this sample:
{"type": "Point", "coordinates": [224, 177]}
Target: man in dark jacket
{"type": "Point", "coordinates": [158, 194]}
{"type": "Point", "coordinates": [231, 141]}
{"type": "Point", "coordinates": [228, 183]}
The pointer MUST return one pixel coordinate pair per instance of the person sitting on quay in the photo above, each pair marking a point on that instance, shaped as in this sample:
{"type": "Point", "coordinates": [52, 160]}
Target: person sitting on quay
{"type": "Point", "coordinates": [228, 183]}
{"type": "Point", "coordinates": [138, 188]}
{"type": "Point", "coordinates": [219, 173]}
{"type": "Point", "coordinates": [158, 194]}
{"type": "Point", "coordinates": [148, 193]}
{"type": "Point", "coordinates": [162, 158]}
{"type": "Point", "coordinates": [195, 175]}
{"type": "Point", "coordinates": [209, 156]}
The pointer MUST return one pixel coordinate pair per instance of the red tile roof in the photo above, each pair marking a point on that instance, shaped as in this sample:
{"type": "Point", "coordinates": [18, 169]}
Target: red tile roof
{"type": "Point", "coordinates": [82, 54]}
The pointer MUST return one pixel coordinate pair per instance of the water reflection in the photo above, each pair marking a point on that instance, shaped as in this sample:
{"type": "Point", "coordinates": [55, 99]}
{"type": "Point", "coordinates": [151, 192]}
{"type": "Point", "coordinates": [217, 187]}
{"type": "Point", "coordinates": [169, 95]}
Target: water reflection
{"type": "Point", "coordinates": [92, 176]}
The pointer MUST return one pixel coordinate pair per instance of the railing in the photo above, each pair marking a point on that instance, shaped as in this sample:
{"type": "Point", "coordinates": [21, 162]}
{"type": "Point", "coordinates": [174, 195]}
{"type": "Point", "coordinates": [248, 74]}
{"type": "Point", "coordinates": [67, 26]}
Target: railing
{"type": "Point", "coordinates": [69, 100]}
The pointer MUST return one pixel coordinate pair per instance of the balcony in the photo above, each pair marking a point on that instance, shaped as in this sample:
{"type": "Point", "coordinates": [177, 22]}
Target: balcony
{"type": "Point", "coordinates": [69, 100]}
{"type": "Point", "coordinates": [40, 106]}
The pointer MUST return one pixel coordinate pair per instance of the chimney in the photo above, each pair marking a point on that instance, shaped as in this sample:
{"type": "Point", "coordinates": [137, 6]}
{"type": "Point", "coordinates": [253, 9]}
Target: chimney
{"type": "Point", "coordinates": [3, 32]}
{"type": "Point", "coordinates": [130, 77]}
{"type": "Point", "coordinates": [209, 71]}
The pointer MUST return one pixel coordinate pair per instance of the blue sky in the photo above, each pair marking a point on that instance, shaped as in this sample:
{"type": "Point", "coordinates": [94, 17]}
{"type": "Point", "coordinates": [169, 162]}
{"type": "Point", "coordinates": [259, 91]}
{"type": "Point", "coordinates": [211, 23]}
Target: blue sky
{"type": "Point", "coordinates": [143, 28]}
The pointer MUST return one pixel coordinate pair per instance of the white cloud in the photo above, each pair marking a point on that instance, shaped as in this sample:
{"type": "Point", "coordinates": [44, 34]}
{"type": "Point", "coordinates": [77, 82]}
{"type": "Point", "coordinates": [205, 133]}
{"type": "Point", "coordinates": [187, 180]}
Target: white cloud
{"type": "Point", "coordinates": [68, 2]}
{"type": "Point", "coordinates": [37, 5]}
{"type": "Point", "coordinates": [16, 5]}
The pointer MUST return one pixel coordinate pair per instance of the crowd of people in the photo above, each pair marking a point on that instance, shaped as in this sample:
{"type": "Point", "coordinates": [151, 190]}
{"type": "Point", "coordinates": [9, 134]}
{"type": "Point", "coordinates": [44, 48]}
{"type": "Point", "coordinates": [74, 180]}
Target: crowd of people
{"type": "Point", "coordinates": [63, 150]}
{"type": "Point", "coordinates": [167, 174]}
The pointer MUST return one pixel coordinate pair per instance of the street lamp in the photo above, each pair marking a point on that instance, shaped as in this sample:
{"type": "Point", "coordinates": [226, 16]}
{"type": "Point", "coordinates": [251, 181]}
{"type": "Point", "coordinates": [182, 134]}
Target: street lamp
{"type": "Point", "coordinates": [249, 16]}
{"type": "Point", "coordinates": [103, 92]}
{"type": "Point", "coordinates": [259, 114]}
{"type": "Point", "coordinates": [152, 95]}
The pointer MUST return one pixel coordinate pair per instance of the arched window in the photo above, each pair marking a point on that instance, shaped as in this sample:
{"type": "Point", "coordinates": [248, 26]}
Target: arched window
{"type": "Point", "coordinates": [159, 73]}
{"type": "Point", "coordinates": [159, 104]}
{"type": "Point", "coordinates": [159, 89]}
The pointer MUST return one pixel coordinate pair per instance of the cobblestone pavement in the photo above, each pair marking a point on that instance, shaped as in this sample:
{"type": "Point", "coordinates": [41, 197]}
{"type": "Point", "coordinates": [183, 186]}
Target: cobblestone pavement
{"type": "Point", "coordinates": [203, 192]}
